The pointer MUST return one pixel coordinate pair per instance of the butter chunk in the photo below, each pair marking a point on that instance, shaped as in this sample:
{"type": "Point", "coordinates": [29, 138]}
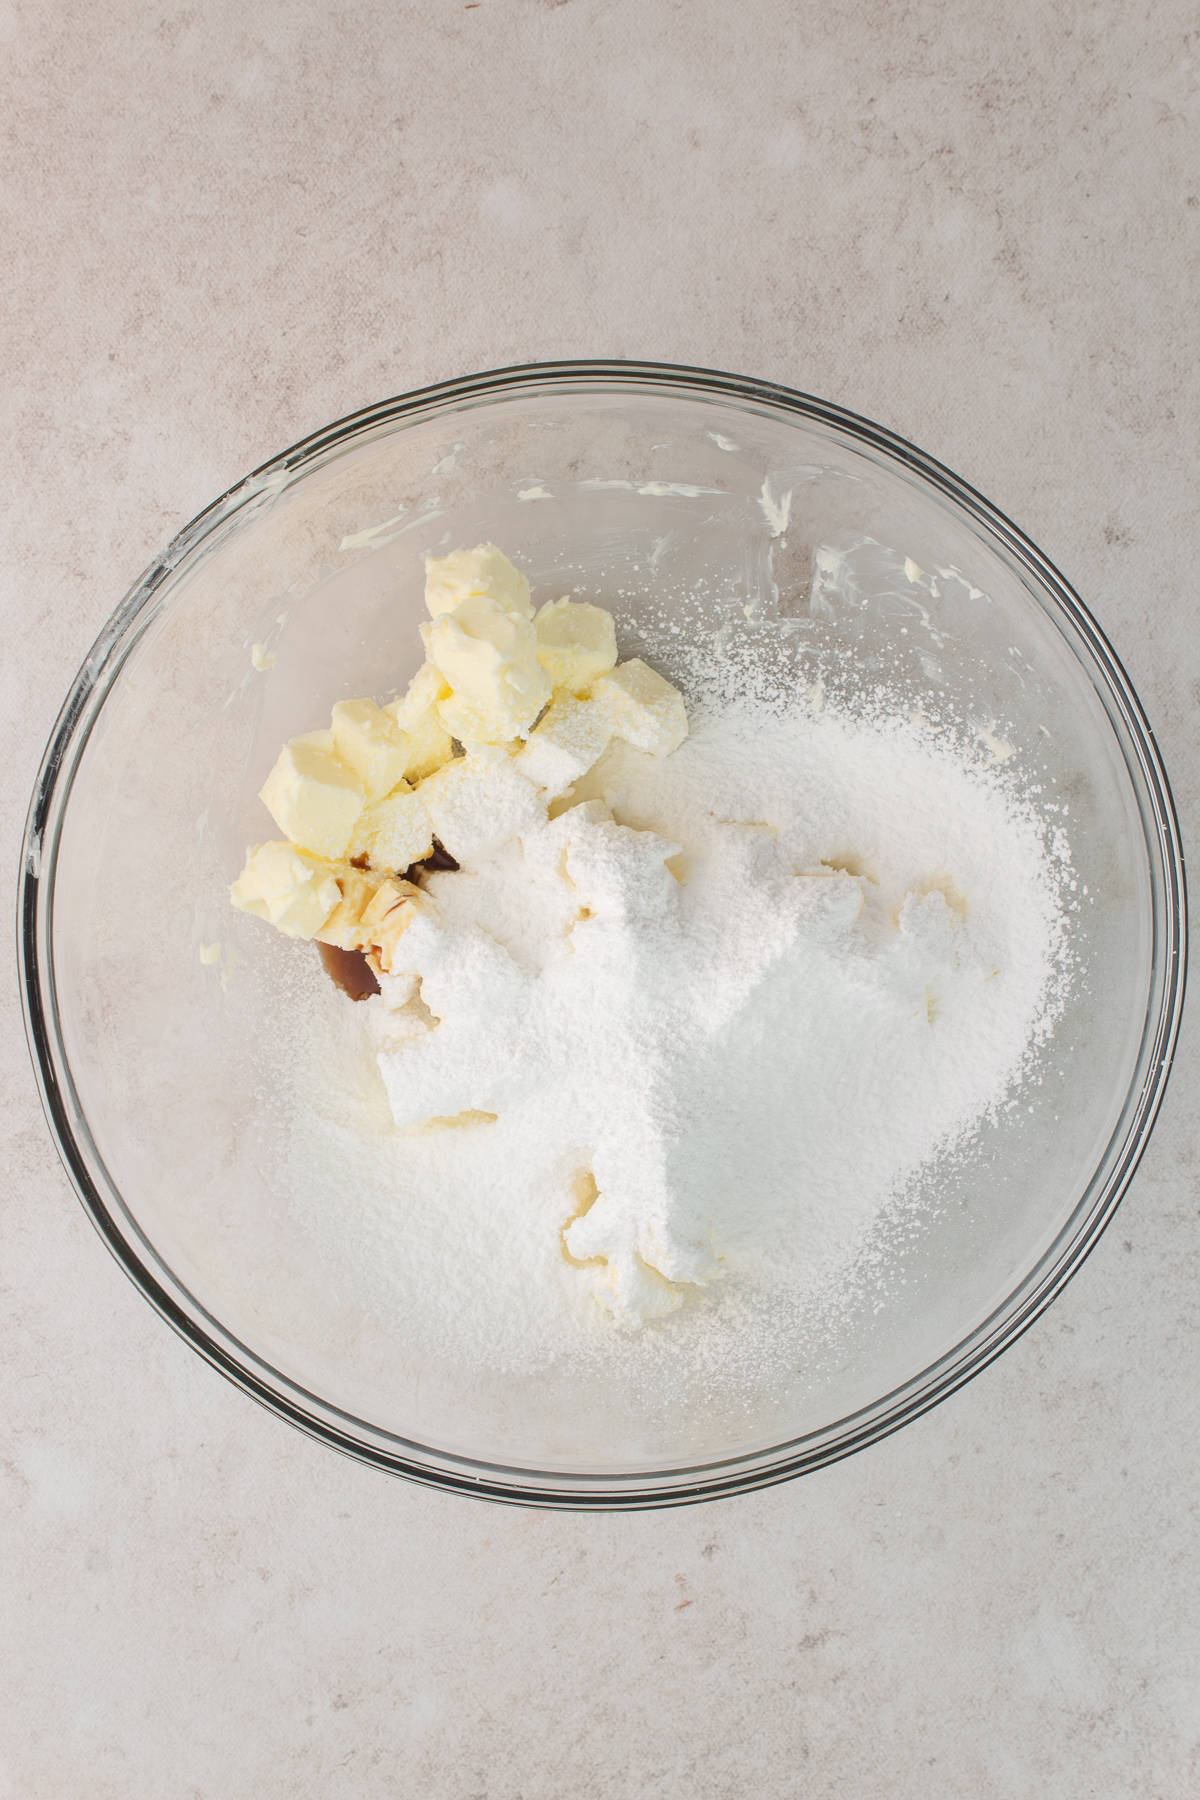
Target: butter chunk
{"type": "Point", "coordinates": [567, 741]}
{"type": "Point", "coordinates": [416, 714]}
{"type": "Point", "coordinates": [576, 643]}
{"type": "Point", "coordinates": [395, 832]}
{"type": "Point", "coordinates": [288, 888]}
{"type": "Point", "coordinates": [474, 730]}
{"type": "Point", "coordinates": [313, 796]}
{"type": "Point", "coordinates": [372, 744]}
{"type": "Point", "coordinates": [475, 804]}
{"type": "Point", "coordinates": [646, 710]}
{"type": "Point", "coordinates": [489, 659]}
{"type": "Point", "coordinates": [608, 1243]}
{"type": "Point", "coordinates": [449, 580]}
{"type": "Point", "coordinates": [386, 917]}
{"type": "Point", "coordinates": [398, 993]}
{"type": "Point", "coordinates": [344, 927]}
{"type": "Point", "coordinates": [423, 692]}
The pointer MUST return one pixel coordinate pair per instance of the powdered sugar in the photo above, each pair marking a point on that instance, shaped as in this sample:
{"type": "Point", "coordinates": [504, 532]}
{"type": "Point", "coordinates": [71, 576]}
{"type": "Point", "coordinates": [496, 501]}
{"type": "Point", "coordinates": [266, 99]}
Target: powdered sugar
{"type": "Point", "coordinates": [755, 1067]}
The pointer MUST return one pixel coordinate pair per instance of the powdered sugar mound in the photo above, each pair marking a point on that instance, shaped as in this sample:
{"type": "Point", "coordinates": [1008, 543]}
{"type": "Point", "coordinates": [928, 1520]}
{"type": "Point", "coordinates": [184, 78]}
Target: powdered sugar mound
{"type": "Point", "coordinates": [691, 1073]}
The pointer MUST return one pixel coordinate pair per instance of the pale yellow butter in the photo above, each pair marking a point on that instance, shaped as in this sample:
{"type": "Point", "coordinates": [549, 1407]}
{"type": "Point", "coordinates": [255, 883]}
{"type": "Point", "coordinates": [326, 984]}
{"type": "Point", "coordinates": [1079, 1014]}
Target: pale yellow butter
{"type": "Point", "coordinates": [313, 796]}
{"type": "Point", "coordinates": [473, 729]}
{"type": "Point", "coordinates": [449, 580]}
{"type": "Point", "coordinates": [371, 743]}
{"type": "Point", "coordinates": [290, 889]}
{"type": "Point", "coordinates": [344, 927]}
{"type": "Point", "coordinates": [386, 917]}
{"type": "Point", "coordinates": [576, 643]}
{"type": "Point", "coordinates": [373, 914]}
{"type": "Point", "coordinates": [416, 715]}
{"type": "Point", "coordinates": [396, 832]}
{"type": "Point", "coordinates": [489, 659]}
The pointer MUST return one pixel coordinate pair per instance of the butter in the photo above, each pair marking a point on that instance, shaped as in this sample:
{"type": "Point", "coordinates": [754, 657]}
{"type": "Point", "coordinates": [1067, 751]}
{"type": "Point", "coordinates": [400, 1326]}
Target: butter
{"type": "Point", "coordinates": [416, 715]}
{"type": "Point", "coordinates": [475, 804]}
{"type": "Point", "coordinates": [576, 643]}
{"type": "Point", "coordinates": [646, 710]}
{"type": "Point", "coordinates": [605, 1241]}
{"type": "Point", "coordinates": [396, 832]}
{"type": "Point", "coordinates": [534, 700]}
{"type": "Point", "coordinates": [386, 917]}
{"type": "Point", "coordinates": [473, 729]}
{"type": "Point", "coordinates": [489, 659]}
{"type": "Point", "coordinates": [371, 743]}
{"type": "Point", "coordinates": [293, 891]}
{"type": "Point", "coordinates": [313, 796]}
{"type": "Point", "coordinates": [570, 737]}
{"type": "Point", "coordinates": [423, 692]}
{"type": "Point", "coordinates": [464, 574]}
{"type": "Point", "coordinates": [343, 927]}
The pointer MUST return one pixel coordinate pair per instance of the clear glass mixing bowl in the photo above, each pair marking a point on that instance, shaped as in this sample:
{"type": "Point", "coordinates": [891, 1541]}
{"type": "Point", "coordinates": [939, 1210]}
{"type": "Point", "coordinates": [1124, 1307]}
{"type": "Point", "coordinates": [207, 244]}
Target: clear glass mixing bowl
{"type": "Point", "coordinates": [164, 1075]}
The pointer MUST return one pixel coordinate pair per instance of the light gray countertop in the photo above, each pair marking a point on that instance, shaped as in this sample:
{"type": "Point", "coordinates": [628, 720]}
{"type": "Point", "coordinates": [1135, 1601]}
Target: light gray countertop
{"type": "Point", "coordinates": [226, 225]}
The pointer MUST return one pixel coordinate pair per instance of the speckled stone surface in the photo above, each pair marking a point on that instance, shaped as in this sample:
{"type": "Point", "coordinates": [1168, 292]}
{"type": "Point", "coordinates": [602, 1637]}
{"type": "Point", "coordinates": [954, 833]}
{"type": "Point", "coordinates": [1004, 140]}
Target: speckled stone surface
{"type": "Point", "coordinates": [225, 225]}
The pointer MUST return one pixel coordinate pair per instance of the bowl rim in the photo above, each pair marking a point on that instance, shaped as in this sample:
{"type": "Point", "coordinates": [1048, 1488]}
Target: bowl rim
{"type": "Point", "coordinates": [527, 1485]}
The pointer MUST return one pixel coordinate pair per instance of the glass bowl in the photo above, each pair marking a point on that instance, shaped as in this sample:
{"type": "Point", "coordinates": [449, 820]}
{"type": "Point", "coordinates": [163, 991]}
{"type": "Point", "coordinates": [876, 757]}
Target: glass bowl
{"type": "Point", "coordinates": [166, 1029]}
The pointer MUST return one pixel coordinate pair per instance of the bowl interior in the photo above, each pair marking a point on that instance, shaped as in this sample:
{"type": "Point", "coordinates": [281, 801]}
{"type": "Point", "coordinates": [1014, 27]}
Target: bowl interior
{"type": "Point", "coordinates": [188, 1081]}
